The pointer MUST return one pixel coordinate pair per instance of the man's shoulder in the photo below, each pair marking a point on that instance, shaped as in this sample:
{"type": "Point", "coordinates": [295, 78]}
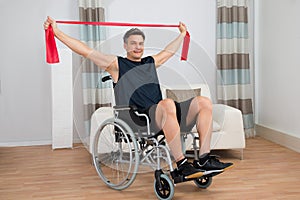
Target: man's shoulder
{"type": "Point", "coordinates": [121, 58]}
{"type": "Point", "coordinates": [148, 59]}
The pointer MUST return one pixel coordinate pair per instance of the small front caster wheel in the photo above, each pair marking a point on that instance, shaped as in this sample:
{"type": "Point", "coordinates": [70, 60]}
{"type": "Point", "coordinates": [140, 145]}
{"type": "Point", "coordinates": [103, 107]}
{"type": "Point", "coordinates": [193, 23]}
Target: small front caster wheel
{"type": "Point", "coordinates": [164, 188]}
{"type": "Point", "coordinates": [203, 182]}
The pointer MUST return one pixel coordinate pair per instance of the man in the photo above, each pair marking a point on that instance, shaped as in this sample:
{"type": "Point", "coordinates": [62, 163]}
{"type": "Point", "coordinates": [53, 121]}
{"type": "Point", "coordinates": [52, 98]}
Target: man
{"type": "Point", "coordinates": [145, 94]}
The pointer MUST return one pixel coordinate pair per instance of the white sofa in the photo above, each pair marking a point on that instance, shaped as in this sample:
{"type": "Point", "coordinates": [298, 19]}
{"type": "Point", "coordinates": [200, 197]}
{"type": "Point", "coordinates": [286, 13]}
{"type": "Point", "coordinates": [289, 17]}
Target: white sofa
{"type": "Point", "coordinates": [228, 131]}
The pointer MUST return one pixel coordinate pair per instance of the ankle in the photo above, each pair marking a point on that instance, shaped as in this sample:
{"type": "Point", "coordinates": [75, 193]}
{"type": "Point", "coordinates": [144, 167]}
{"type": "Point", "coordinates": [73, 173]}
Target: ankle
{"type": "Point", "coordinates": [203, 158]}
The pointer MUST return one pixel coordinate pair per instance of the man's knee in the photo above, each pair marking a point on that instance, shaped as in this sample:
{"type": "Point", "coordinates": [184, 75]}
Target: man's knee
{"type": "Point", "coordinates": [204, 102]}
{"type": "Point", "coordinates": [168, 106]}
{"type": "Point", "coordinates": [165, 111]}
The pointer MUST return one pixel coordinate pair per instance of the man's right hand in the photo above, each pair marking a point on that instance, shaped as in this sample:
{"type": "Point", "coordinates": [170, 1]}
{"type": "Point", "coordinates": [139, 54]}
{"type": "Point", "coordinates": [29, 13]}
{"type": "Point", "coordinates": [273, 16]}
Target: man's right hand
{"type": "Point", "coordinates": [51, 22]}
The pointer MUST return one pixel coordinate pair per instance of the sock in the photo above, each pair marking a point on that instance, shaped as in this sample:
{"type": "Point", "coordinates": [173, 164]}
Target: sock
{"type": "Point", "coordinates": [203, 158]}
{"type": "Point", "coordinates": [180, 162]}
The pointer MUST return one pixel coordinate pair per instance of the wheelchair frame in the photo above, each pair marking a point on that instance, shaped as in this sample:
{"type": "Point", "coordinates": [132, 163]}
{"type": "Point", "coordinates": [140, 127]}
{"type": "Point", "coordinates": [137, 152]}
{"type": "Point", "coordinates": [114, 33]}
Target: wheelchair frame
{"type": "Point", "coordinates": [118, 151]}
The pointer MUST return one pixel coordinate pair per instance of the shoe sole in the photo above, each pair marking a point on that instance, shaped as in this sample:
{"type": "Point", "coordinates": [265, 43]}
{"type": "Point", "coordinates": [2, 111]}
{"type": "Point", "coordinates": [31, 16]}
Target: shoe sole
{"type": "Point", "coordinates": [229, 167]}
{"type": "Point", "coordinates": [196, 175]}
{"type": "Point", "coordinates": [213, 170]}
{"type": "Point", "coordinates": [217, 171]}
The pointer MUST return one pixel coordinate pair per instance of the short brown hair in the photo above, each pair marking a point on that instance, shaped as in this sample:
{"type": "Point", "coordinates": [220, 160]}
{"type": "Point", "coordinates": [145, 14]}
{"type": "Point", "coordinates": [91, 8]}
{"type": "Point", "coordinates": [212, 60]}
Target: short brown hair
{"type": "Point", "coordinates": [133, 31]}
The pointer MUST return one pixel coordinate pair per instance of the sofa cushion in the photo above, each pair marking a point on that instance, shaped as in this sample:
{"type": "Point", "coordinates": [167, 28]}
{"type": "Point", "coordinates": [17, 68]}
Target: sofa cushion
{"type": "Point", "coordinates": [181, 95]}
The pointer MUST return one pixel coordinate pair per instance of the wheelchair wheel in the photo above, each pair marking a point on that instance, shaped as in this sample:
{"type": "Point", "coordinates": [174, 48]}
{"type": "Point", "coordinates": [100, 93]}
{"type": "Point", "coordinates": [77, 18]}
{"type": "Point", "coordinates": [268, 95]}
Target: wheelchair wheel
{"type": "Point", "coordinates": [203, 182]}
{"type": "Point", "coordinates": [164, 189]}
{"type": "Point", "coordinates": [115, 154]}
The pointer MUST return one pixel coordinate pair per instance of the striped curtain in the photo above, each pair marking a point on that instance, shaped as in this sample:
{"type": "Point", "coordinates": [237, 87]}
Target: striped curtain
{"type": "Point", "coordinates": [95, 93]}
{"type": "Point", "coordinates": [234, 78]}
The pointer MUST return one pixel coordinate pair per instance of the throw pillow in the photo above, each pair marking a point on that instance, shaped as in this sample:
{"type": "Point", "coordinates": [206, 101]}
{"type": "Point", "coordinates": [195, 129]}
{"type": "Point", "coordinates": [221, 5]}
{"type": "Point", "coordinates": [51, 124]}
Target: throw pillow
{"type": "Point", "coordinates": [181, 95]}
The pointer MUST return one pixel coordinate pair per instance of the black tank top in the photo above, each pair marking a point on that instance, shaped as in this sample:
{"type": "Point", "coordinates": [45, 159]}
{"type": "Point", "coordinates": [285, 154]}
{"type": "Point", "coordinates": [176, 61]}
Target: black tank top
{"type": "Point", "coordinates": [138, 83]}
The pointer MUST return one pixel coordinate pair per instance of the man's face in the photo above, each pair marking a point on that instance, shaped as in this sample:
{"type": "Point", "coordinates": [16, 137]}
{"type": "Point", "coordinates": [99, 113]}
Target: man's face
{"type": "Point", "coordinates": [134, 47]}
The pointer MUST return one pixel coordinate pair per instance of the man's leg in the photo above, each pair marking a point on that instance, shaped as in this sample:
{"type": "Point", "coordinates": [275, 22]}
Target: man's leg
{"type": "Point", "coordinates": [166, 119]}
{"type": "Point", "coordinates": [201, 110]}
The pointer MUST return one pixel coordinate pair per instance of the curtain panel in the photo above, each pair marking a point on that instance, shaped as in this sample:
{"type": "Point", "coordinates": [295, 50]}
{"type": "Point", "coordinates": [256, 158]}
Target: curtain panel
{"type": "Point", "coordinates": [96, 93]}
{"type": "Point", "coordinates": [233, 66]}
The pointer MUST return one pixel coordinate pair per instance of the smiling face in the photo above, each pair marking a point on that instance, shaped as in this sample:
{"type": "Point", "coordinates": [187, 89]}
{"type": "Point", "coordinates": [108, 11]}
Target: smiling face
{"type": "Point", "coordinates": [134, 47]}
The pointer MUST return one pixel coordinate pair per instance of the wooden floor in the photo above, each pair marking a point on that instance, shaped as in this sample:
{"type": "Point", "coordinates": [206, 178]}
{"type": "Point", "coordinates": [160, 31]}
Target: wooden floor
{"type": "Point", "coordinates": [268, 171]}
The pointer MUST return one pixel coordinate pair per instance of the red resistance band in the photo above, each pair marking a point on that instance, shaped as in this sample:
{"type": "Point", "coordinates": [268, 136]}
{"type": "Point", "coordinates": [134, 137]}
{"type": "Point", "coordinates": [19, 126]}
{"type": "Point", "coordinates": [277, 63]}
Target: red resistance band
{"type": "Point", "coordinates": [51, 50]}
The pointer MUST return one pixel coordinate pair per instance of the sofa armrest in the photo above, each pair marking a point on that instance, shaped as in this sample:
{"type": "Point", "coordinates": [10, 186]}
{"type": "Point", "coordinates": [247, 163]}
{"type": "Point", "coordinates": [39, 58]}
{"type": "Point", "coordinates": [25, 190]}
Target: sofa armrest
{"type": "Point", "coordinates": [98, 117]}
{"type": "Point", "coordinates": [221, 112]}
{"type": "Point", "coordinates": [231, 121]}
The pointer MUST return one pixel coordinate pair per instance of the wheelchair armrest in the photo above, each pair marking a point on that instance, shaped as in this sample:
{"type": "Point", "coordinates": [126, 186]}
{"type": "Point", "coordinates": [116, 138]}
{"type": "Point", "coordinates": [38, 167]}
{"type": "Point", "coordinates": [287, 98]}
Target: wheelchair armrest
{"type": "Point", "coordinates": [136, 112]}
{"type": "Point", "coordinates": [133, 108]}
{"type": "Point", "coordinates": [126, 107]}
{"type": "Point", "coordinates": [121, 107]}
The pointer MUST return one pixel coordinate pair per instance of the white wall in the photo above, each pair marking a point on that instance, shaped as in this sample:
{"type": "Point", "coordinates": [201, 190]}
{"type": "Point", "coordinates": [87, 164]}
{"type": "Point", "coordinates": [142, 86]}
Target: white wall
{"type": "Point", "coordinates": [278, 65]}
{"type": "Point", "coordinates": [25, 98]}
{"type": "Point", "coordinates": [198, 15]}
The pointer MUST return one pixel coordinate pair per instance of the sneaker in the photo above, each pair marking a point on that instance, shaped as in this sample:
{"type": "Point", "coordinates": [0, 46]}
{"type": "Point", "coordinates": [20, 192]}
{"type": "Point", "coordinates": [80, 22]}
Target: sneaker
{"type": "Point", "coordinates": [189, 171]}
{"type": "Point", "coordinates": [212, 163]}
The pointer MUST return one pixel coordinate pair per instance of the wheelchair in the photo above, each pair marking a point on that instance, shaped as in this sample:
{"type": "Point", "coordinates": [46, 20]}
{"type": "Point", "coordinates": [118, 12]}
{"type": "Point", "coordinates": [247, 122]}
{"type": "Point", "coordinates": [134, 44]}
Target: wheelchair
{"type": "Point", "coordinates": [121, 146]}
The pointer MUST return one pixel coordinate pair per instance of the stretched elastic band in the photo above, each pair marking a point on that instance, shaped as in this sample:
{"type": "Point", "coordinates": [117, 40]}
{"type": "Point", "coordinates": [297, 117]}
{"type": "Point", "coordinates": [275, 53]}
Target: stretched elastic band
{"type": "Point", "coordinates": [51, 50]}
{"type": "Point", "coordinates": [117, 24]}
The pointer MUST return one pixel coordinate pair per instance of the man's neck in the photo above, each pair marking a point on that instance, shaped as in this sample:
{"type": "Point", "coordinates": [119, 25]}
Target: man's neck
{"type": "Point", "coordinates": [134, 59]}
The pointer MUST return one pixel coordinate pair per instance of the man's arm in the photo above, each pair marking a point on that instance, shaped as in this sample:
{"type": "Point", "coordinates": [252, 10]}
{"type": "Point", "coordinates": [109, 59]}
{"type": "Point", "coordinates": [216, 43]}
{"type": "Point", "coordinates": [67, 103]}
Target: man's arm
{"type": "Point", "coordinates": [171, 48]}
{"type": "Point", "coordinates": [106, 62]}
